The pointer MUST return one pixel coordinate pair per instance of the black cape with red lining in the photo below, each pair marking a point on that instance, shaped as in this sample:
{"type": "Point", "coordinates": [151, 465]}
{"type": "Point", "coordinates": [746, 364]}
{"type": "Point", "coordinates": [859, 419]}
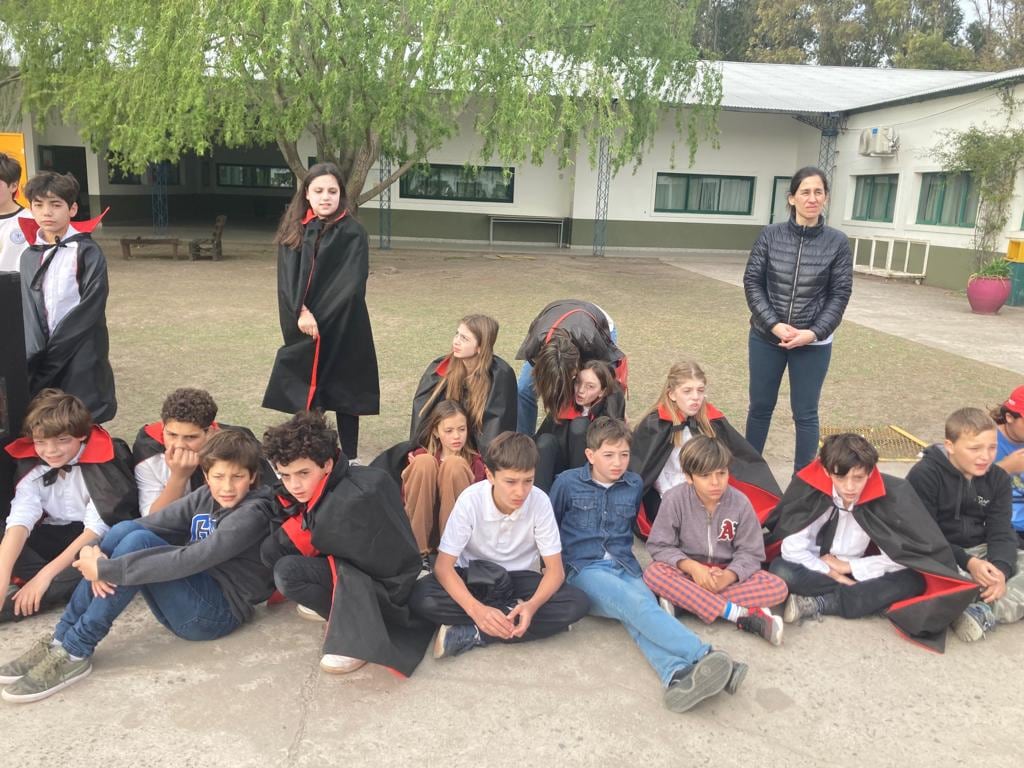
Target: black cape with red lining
{"type": "Point", "coordinates": [106, 468]}
{"type": "Point", "coordinates": [328, 275]}
{"type": "Point", "coordinates": [613, 406]}
{"type": "Point", "coordinates": [359, 520]}
{"type": "Point", "coordinates": [898, 524]}
{"type": "Point", "coordinates": [748, 471]}
{"type": "Point", "coordinates": [585, 323]}
{"type": "Point", "coordinates": [75, 357]}
{"type": "Point", "coordinates": [499, 410]}
{"type": "Point", "coordinates": [150, 441]}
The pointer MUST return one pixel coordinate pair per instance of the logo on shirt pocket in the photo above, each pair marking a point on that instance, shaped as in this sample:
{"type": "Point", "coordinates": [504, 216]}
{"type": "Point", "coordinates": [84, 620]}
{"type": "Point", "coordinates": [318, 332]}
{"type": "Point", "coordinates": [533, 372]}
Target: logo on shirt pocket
{"type": "Point", "coordinates": [17, 237]}
{"type": "Point", "coordinates": [728, 530]}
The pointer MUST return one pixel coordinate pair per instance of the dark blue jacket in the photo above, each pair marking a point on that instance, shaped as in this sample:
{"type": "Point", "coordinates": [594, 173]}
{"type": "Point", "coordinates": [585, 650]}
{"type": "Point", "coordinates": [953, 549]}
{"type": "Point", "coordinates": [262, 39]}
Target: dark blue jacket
{"type": "Point", "coordinates": [593, 519]}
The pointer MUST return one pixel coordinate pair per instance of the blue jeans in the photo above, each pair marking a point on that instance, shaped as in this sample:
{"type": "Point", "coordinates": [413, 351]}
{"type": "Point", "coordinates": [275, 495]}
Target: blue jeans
{"type": "Point", "coordinates": [615, 594]}
{"type": "Point", "coordinates": [526, 411]}
{"type": "Point", "coordinates": [193, 608]}
{"type": "Point", "coordinates": [807, 368]}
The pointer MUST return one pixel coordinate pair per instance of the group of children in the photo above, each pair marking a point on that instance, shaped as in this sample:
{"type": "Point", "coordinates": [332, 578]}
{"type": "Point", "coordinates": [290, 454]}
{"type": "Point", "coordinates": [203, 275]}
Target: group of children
{"type": "Point", "coordinates": [481, 528]}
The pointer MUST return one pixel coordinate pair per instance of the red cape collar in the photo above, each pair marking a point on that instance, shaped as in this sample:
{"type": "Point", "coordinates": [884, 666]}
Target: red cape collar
{"type": "Point", "coordinates": [289, 501]}
{"type": "Point", "coordinates": [569, 412]}
{"type": "Point", "coordinates": [99, 448]}
{"type": "Point", "coordinates": [310, 216]}
{"type": "Point", "coordinates": [30, 228]}
{"type": "Point", "coordinates": [156, 430]}
{"type": "Point", "coordinates": [443, 366]}
{"type": "Point", "coordinates": [814, 475]}
{"type": "Point", "coordinates": [713, 413]}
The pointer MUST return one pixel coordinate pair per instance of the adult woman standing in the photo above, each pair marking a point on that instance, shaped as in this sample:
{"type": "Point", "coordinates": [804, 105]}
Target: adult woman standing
{"type": "Point", "coordinates": [798, 281]}
{"type": "Point", "coordinates": [328, 359]}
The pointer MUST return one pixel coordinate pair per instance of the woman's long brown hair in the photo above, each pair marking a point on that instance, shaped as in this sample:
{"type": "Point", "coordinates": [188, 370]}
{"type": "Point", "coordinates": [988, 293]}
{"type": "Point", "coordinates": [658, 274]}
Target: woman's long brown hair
{"type": "Point", "coordinates": [290, 228]}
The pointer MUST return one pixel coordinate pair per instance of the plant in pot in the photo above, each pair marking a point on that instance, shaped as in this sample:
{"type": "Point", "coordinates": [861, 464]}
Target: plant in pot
{"type": "Point", "coordinates": [990, 160]}
{"type": "Point", "coordinates": [989, 287]}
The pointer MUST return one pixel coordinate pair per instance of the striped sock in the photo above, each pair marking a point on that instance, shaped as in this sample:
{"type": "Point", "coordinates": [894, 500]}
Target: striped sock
{"type": "Point", "coordinates": [733, 612]}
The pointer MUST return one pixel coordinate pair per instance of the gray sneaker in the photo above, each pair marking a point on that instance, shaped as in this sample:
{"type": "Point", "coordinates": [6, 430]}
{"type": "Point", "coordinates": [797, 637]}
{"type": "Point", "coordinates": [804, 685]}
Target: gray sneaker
{"type": "Point", "coordinates": [13, 671]}
{"type": "Point", "coordinates": [798, 608]}
{"type": "Point", "coordinates": [736, 677]}
{"type": "Point", "coordinates": [704, 679]}
{"type": "Point", "coordinates": [56, 671]}
{"type": "Point", "coordinates": [974, 623]}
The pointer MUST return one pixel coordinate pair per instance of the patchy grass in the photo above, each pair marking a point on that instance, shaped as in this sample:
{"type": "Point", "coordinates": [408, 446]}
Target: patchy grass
{"type": "Point", "coordinates": [214, 325]}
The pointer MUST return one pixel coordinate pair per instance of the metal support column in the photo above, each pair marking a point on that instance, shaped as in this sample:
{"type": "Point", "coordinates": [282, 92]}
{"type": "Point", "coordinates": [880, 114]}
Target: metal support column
{"type": "Point", "coordinates": [158, 197]}
{"type": "Point", "coordinates": [604, 173]}
{"type": "Point", "coordinates": [384, 202]}
{"type": "Point", "coordinates": [828, 152]}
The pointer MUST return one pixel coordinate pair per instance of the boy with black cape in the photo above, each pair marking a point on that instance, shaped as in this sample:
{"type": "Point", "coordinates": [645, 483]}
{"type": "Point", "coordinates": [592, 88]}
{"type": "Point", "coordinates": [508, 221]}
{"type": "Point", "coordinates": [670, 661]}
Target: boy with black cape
{"type": "Point", "coordinates": [346, 550]}
{"type": "Point", "coordinates": [900, 530]}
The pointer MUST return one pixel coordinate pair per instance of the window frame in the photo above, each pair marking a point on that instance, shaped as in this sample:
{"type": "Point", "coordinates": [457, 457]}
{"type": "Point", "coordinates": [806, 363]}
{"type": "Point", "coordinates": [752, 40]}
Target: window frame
{"type": "Point", "coordinates": [893, 189]}
{"type": "Point", "coordinates": [509, 180]}
{"type": "Point", "coordinates": [701, 176]}
{"type": "Point", "coordinates": [945, 178]}
{"type": "Point", "coordinates": [271, 168]}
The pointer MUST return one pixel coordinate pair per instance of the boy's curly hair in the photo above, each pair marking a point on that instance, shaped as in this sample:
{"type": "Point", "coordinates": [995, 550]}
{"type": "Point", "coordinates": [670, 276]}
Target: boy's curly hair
{"type": "Point", "coordinates": [190, 406]}
{"type": "Point", "coordinates": [306, 435]}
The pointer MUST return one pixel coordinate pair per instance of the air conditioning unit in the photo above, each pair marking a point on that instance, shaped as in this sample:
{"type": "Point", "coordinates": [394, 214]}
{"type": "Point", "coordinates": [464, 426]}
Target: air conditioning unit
{"type": "Point", "coordinates": [880, 141]}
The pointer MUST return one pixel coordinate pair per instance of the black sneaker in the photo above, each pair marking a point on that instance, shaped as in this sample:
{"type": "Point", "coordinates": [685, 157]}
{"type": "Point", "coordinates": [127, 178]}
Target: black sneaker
{"type": "Point", "coordinates": [798, 608]}
{"type": "Point", "coordinates": [704, 679]}
{"type": "Point", "coordinates": [453, 639]}
{"type": "Point", "coordinates": [56, 671]}
{"type": "Point", "coordinates": [739, 672]}
{"type": "Point", "coordinates": [760, 621]}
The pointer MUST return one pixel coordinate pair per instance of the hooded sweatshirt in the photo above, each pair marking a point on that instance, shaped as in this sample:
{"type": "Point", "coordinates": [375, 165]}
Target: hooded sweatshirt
{"type": "Point", "coordinates": [969, 511]}
{"type": "Point", "coordinates": [204, 537]}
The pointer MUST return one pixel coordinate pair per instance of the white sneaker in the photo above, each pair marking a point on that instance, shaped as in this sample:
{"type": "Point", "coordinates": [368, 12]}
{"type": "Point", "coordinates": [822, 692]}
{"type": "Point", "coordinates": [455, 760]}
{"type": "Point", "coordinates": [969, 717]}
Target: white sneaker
{"type": "Point", "coordinates": [308, 614]}
{"type": "Point", "coordinates": [340, 665]}
{"type": "Point", "coordinates": [667, 606]}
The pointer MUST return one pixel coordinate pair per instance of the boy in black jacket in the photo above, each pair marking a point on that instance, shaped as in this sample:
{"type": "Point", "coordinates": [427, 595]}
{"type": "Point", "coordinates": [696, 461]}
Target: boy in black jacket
{"type": "Point", "coordinates": [969, 497]}
{"type": "Point", "coordinates": [196, 562]}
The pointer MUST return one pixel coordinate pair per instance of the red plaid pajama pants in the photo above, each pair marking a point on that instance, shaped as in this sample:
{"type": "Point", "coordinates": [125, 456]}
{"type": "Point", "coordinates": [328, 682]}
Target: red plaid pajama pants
{"type": "Point", "coordinates": [761, 590]}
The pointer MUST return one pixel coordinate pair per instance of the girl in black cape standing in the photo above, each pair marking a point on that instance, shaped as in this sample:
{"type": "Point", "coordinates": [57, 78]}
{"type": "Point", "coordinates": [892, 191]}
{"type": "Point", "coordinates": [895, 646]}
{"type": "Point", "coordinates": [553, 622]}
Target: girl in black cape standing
{"type": "Point", "coordinates": [328, 359]}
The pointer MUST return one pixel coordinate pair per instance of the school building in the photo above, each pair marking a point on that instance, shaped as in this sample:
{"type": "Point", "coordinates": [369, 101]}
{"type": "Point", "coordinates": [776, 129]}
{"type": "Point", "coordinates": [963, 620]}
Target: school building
{"type": "Point", "coordinates": [872, 130]}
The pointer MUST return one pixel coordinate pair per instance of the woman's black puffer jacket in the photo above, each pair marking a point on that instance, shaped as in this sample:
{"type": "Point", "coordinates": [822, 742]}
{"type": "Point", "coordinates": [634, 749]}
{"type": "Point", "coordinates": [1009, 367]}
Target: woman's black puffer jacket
{"type": "Point", "coordinates": [801, 276]}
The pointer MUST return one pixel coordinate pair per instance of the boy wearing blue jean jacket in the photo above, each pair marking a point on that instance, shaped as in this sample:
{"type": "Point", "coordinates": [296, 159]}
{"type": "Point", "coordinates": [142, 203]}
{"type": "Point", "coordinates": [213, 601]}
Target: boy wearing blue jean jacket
{"type": "Point", "coordinates": [196, 563]}
{"type": "Point", "coordinates": [595, 506]}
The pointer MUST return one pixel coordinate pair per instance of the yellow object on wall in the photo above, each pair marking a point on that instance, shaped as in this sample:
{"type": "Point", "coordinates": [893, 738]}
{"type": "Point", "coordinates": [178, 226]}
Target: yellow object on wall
{"type": "Point", "coordinates": [1015, 252]}
{"type": "Point", "coordinates": [14, 144]}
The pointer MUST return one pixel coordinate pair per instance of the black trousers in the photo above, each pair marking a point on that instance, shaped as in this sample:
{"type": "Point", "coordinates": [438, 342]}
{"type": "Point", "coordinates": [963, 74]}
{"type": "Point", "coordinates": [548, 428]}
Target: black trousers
{"type": "Point", "coordinates": [348, 433]}
{"type": "Point", "coordinates": [44, 544]}
{"type": "Point", "coordinates": [568, 605]}
{"type": "Point", "coordinates": [307, 581]}
{"type": "Point", "coordinates": [861, 599]}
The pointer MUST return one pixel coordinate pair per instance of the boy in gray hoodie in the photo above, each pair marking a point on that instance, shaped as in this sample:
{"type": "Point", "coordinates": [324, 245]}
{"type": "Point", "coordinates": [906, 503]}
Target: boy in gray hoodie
{"type": "Point", "coordinates": [707, 547]}
{"type": "Point", "coordinates": [195, 561]}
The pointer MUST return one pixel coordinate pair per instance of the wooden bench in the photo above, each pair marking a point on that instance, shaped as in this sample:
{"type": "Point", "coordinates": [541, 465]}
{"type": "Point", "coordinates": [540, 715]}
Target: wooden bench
{"type": "Point", "coordinates": [127, 243]}
{"type": "Point", "coordinates": [209, 247]}
{"type": "Point", "coordinates": [560, 223]}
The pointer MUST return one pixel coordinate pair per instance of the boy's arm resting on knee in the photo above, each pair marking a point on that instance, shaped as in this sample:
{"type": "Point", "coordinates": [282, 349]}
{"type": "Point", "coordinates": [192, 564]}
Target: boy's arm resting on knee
{"type": "Point", "coordinates": [30, 596]}
{"type": "Point", "coordinates": [444, 571]}
{"type": "Point", "coordinates": [551, 581]}
{"type": "Point", "coordinates": [10, 550]}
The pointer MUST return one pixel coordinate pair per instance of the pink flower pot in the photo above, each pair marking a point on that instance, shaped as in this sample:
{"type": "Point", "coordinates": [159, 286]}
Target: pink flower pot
{"type": "Point", "coordinates": [987, 294]}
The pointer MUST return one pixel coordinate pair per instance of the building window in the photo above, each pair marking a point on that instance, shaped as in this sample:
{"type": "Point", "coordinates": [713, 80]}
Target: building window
{"type": "Point", "coordinates": [487, 184]}
{"type": "Point", "coordinates": [258, 176]}
{"type": "Point", "coordinates": [117, 175]}
{"type": "Point", "coordinates": [948, 200]}
{"type": "Point", "coordinates": [688, 193]}
{"type": "Point", "coordinates": [875, 198]}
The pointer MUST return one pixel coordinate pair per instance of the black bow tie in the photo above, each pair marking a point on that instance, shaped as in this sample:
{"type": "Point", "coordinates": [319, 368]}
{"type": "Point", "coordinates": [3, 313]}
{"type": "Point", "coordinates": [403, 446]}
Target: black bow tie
{"type": "Point", "coordinates": [51, 475]}
{"type": "Point", "coordinates": [691, 422]}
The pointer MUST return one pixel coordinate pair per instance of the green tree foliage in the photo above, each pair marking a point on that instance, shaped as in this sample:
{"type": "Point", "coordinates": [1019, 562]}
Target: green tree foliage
{"type": "Point", "coordinates": [153, 80]}
{"type": "Point", "coordinates": [997, 34]}
{"type": "Point", "coordinates": [854, 33]}
{"type": "Point", "coordinates": [723, 29]}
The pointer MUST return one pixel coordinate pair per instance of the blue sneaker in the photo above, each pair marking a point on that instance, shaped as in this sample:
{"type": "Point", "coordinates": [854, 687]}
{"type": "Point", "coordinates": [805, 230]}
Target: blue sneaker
{"type": "Point", "coordinates": [453, 639]}
{"type": "Point", "coordinates": [974, 623]}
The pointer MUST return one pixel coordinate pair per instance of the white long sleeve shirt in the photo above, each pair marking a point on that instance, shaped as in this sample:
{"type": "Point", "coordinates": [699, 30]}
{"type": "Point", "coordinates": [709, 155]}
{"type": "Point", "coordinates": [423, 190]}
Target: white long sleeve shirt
{"type": "Point", "coordinates": [60, 283]}
{"type": "Point", "coordinates": [66, 501]}
{"type": "Point", "coordinates": [849, 543]}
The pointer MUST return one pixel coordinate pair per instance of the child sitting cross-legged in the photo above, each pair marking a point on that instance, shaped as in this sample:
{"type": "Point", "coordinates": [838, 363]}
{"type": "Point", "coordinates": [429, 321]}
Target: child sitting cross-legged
{"type": "Point", "coordinates": [196, 563]}
{"type": "Point", "coordinates": [707, 547]}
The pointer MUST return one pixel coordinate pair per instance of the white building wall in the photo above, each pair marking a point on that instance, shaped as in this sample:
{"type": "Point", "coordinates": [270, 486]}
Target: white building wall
{"type": "Point", "coordinates": [750, 144]}
{"type": "Point", "coordinates": [919, 126]}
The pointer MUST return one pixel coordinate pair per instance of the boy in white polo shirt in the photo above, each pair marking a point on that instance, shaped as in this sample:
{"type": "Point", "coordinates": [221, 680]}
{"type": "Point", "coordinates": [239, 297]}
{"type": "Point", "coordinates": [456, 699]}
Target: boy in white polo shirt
{"type": "Point", "coordinates": [487, 585]}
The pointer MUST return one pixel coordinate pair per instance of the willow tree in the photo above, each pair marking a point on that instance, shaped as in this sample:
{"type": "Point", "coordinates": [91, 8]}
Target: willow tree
{"type": "Point", "coordinates": [151, 81]}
